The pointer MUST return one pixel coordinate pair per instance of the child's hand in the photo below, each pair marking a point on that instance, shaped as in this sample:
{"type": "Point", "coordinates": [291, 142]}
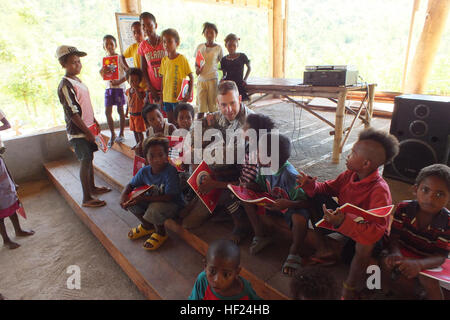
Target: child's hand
{"type": "Point", "coordinates": [210, 119]}
{"type": "Point", "coordinates": [198, 70]}
{"type": "Point", "coordinates": [392, 259]}
{"type": "Point", "coordinates": [334, 217]}
{"type": "Point", "coordinates": [115, 82]}
{"type": "Point", "coordinates": [279, 205]}
{"type": "Point", "coordinates": [304, 180]}
{"type": "Point", "coordinates": [125, 202]}
{"type": "Point", "coordinates": [207, 185]}
{"type": "Point", "coordinates": [410, 268]}
{"type": "Point", "coordinates": [90, 137]}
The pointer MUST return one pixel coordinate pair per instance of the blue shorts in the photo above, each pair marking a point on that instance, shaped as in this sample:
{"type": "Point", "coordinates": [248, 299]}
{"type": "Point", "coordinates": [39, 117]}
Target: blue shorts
{"type": "Point", "coordinates": [84, 150]}
{"type": "Point", "coordinates": [170, 106]}
{"type": "Point", "coordinates": [114, 97]}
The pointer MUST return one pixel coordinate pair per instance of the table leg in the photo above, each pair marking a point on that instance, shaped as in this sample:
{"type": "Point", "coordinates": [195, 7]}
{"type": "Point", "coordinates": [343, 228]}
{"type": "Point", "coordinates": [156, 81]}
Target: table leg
{"type": "Point", "coordinates": [339, 126]}
{"type": "Point", "coordinates": [370, 99]}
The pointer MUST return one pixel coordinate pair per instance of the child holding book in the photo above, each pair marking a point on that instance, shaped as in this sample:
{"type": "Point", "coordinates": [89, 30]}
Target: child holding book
{"type": "Point", "coordinates": [207, 74]}
{"type": "Point", "coordinates": [9, 204]}
{"type": "Point", "coordinates": [156, 124]}
{"type": "Point", "coordinates": [221, 280]}
{"type": "Point", "coordinates": [422, 227]}
{"type": "Point", "coordinates": [233, 64]}
{"type": "Point", "coordinates": [174, 68]}
{"type": "Point", "coordinates": [151, 51]}
{"type": "Point", "coordinates": [362, 186]}
{"type": "Point", "coordinates": [79, 116]}
{"type": "Point", "coordinates": [136, 95]}
{"type": "Point", "coordinates": [114, 93]}
{"type": "Point", "coordinates": [164, 200]}
{"type": "Point", "coordinates": [289, 203]}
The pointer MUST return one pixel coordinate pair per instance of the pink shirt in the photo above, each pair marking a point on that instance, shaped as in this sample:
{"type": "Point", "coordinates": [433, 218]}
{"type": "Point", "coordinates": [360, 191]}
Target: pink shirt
{"type": "Point", "coordinates": [84, 99]}
{"type": "Point", "coordinates": [153, 55]}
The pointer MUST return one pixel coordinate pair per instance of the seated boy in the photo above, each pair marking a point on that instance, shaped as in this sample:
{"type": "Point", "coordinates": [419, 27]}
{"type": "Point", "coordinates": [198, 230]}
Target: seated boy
{"type": "Point", "coordinates": [164, 200]}
{"type": "Point", "coordinates": [360, 185]}
{"type": "Point", "coordinates": [282, 186]}
{"type": "Point", "coordinates": [221, 280]}
{"type": "Point", "coordinates": [422, 227]}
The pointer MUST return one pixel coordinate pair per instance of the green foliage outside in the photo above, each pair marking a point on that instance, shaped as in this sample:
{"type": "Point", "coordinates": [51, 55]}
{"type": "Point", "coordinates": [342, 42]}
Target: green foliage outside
{"type": "Point", "coordinates": [370, 34]}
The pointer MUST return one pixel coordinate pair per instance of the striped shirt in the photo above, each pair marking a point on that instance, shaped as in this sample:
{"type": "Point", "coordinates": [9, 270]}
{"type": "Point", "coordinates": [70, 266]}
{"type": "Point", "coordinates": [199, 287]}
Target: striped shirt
{"type": "Point", "coordinates": [248, 171]}
{"type": "Point", "coordinates": [432, 240]}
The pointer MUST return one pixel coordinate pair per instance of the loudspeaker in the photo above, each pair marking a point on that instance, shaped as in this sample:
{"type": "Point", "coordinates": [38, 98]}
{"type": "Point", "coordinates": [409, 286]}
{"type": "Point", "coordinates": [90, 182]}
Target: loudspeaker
{"type": "Point", "coordinates": [422, 125]}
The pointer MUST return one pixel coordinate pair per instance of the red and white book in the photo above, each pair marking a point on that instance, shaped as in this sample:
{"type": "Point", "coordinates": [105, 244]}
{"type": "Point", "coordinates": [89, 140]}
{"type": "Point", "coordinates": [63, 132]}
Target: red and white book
{"type": "Point", "coordinates": [247, 195]}
{"type": "Point", "coordinates": [184, 91]}
{"type": "Point", "coordinates": [21, 210]}
{"type": "Point", "coordinates": [195, 180]}
{"type": "Point", "coordinates": [111, 68]}
{"type": "Point", "coordinates": [138, 191]}
{"type": "Point", "coordinates": [138, 164]}
{"type": "Point", "coordinates": [199, 59]}
{"type": "Point", "coordinates": [176, 152]}
{"type": "Point", "coordinates": [360, 215]}
{"type": "Point", "coordinates": [95, 129]}
{"type": "Point", "coordinates": [441, 273]}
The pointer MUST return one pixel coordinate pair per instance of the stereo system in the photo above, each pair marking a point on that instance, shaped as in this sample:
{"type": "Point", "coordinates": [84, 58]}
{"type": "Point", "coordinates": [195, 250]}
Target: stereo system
{"type": "Point", "coordinates": [330, 76]}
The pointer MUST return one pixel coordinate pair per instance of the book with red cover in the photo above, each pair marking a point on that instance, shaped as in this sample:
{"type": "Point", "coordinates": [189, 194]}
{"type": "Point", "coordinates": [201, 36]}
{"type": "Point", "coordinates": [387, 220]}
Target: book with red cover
{"type": "Point", "coordinates": [184, 91]}
{"type": "Point", "coordinates": [199, 59]}
{"type": "Point", "coordinates": [21, 210]}
{"type": "Point", "coordinates": [250, 196]}
{"type": "Point", "coordinates": [95, 129]}
{"type": "Point", "coordinates": [138, 163]}
{"type": "Point", "coordinates": [372, 215]}
{"type": "Point", "coordinates": [211, 198]}
{"type": "Point", "coordinates": [176, 151]}
{"type": "Point", "coordinates": [111, 67]}
{"type": "Point", "coordinates": [441, 273]}
{"type": "Point", "coordinates": [138, 191]}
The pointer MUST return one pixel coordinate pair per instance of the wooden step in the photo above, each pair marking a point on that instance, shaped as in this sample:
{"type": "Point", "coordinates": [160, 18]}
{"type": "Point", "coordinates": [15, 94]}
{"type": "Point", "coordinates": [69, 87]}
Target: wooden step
{"type": "Point", "coordinates": [124, 147]}
{"type": "Point", "coordinates": [168, 273]}
{"type": "Point", "coordinates": [263, 271]}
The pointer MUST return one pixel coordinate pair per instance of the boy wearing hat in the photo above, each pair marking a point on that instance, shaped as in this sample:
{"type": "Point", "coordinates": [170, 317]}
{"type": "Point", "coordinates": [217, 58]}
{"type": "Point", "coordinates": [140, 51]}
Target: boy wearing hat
{"type": "Point", "coordinates": [79, 116]}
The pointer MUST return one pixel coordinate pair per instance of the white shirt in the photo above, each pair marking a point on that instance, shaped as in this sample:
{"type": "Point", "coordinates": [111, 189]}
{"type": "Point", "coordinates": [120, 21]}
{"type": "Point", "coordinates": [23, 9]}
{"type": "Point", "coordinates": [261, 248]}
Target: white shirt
{"type": "Point", "coordinates": [212, 56]}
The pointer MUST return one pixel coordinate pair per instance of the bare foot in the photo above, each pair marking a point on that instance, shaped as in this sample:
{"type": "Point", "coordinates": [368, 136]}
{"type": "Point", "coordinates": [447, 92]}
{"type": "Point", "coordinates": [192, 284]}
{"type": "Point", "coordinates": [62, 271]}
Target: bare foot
{"type": "Point", "coordinates": [12, 245]}
{"type": "Point", "coordinates": [24, 233]}
{"type": "Point", "coordinates": [101, 190]}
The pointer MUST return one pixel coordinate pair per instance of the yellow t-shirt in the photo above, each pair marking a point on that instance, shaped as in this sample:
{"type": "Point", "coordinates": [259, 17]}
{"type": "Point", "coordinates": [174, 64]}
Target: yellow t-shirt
{"type": "Point", "coordinates": [132, 52]}
{"type": "Point", "coordinates": [173, 73]}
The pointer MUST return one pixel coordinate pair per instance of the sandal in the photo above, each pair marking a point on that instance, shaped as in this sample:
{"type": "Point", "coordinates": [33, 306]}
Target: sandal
{"type": "Point", "coordinates": [293, 265]}
{"type": "Point", "coordinates": [94, 203]}
{"type": "Point", "coordinates": [139, 232]}
{"type": "Point", "coordinates": [259, 243]}
{"type": "Point", "coordinates": [156, 240]}
{"type": "Point", "coordinates": [101, 190]}
{"type": "Point", "coordinates": [317, 261]}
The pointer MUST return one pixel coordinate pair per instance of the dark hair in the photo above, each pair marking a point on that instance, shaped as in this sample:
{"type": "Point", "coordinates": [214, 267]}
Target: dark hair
{"type": "Point", "coordinates": [314, 283]}
{"type": "Point", "coordinates": [63, 60]}
{"type": "Point", "coordinates": [226, 86]}
{"type": "Point", "coordinates": [108, 36]}
{"type": "Point", "coordinates": [136, 72]}
{"type": "Point", "coordinates": [149, 107]}
{"type": "Point", "coordinates": [439, 170]}
{"type": "Point", "coordinates": [284, 146]}
{"type": "Point", "coordinates": [155, 141]}
{"type": "Point", "coordinates": [258, 121]}
{"type": "Point", "coordinates": [171, 33]}
{"type": "Point", "coordinates": [225, 249]}
{"type": "Point", "coordinates": [147, 15]}
{"type": "Point", "coordinates": [183, 106]}
{"type": "Point", "coordinates": [136, 23]}
{"type": "Point", "coordinates": [388, 141]}
{"type": "Point", "coordinates": [209, 25]}
{"type": "Point", "coordinates": [231, 37]}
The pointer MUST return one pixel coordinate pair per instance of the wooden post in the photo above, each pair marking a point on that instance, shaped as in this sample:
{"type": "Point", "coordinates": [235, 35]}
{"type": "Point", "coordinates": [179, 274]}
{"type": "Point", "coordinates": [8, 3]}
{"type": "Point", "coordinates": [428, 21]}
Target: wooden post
{"type": "Point", "coordinates": [130, 6]}
{"type": "Point", "coordinates": [370, 98]}
{"type": "Point", "coordinates": [437, 13]}
{"type": "Point", "coordinates": [339, 126]}
{"type": "Point", "coordinates": [408, 46]}
{"type": "Point", "coordinates": [270, 36]}
{"type": "Point", "coordinates": [285, 34]}
{"type": "Point", "coordinates": [277, 48]}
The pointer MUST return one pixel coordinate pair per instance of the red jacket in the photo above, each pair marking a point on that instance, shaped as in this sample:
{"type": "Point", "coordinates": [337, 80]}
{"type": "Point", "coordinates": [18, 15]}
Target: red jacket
{"type": "Point", "coordinates": [369, 193]}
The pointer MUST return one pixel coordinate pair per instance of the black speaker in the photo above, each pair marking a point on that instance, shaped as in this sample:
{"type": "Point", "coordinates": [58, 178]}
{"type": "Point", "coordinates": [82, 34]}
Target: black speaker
{"type": "Point", "coordinates": [422, 125]}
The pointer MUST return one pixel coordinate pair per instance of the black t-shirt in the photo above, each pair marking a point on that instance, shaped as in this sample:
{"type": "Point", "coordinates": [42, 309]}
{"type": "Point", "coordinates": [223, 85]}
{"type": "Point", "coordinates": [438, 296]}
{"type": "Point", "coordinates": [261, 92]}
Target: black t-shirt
{"type": "Point", "coordinates": [234, 68]}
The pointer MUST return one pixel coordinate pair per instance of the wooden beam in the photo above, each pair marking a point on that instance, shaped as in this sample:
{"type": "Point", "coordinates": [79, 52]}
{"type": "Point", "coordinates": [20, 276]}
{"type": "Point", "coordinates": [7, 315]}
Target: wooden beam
{"type": "Point", "coordinates": [278, 39]}
{"type": "Point", "coordinates": [408, 46]}
{"type": "Point", "coordinates": [285, 33]}
{"type": "Point", "coordinates": [130, 6]}
{"type": "Point", "coordinates": [437, 14]}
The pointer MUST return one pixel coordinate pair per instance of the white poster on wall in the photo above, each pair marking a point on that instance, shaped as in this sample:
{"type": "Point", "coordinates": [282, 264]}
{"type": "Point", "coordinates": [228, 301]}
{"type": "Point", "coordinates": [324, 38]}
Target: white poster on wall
{"type": "Point", "coordinates": [126, 39]}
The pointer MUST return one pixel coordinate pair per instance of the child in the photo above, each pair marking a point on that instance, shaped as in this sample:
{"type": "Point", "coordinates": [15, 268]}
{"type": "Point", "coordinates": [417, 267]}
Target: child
{"type": "Point", "coordinates": [132, 50]}
{"type": "Point", "coordinates": [9, 204]}
{"type": "Point", "coordinates": [207, 74]}
{"type": "Point", "coordinates": [79, 116]}
{"type": "Point", "coordinates": [135, 104]}
{"type": "Point", "coordinates": [114, 93]}
{"type": "Point", "coordinates": [151, 51]}
{"type": "Point", "coordinates": [422, 227]}
{"type": "Point", "coordinates": [174, 68]}
{"type": "Point", "coordinates": [248, 171]}
{"type": "Point", "coordinates": [314, 283]}
{"type": "Point", "coordinates": [184, 115]}
{"type": "Point", "coordinates": [165, 199]}
{"type": "Point", "coordinates": [232, 65]}
{"type": "Point", "coordinates": [156, 124]}
{"type": "Point", "coordinates": [360, 185]}
{"type": "Point", "coordinates": [282, 186]}
{"type": "Point", "coordinates": [221, 279]}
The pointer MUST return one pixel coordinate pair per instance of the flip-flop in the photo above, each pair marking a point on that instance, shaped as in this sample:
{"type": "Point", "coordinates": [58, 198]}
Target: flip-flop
{"type": "Point", "coordinates": [139, 232]}
{"type": "Point", "coordinates": [156, 240]}
{"type": "Point", "coordinates": [316, 261]}
{"type": "Point", "coordinates": [293, 265]}
{"type": "Point", "coordinates": [95, 203]}
{"type": "Point", "coordinates": [101, 190]}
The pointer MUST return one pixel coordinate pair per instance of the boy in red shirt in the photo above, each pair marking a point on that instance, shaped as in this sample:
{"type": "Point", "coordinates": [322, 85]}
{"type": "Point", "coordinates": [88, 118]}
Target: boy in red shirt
{"type": "Point", "coordinates": [360, 185]}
